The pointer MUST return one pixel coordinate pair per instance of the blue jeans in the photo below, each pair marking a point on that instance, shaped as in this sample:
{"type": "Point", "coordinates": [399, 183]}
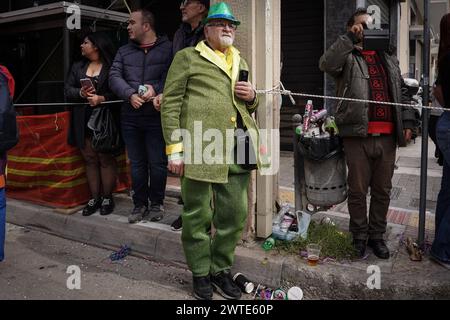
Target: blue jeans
{"type": "Point", "coordinates": [441, 244]}
{"type": "Point", "coordinates": [2, 223]}
{"type": "Point", "coordinates": [146, 150]}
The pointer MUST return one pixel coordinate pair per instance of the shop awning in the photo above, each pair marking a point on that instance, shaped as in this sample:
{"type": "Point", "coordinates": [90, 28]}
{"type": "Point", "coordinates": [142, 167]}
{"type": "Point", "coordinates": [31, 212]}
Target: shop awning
{"type": "Point", "coordinates": [60, 8]}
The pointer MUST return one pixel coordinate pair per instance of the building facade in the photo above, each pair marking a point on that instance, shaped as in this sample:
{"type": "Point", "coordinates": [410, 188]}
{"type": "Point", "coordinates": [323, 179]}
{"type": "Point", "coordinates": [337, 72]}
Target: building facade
{"type": "Point", "coordinates": [281, 39]}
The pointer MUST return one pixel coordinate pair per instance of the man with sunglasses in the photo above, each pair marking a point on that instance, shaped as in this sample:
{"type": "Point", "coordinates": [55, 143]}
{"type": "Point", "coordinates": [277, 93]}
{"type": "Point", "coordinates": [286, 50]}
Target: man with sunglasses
{"type": "Point", "coordinates": [203, 87]}
{"type": "Point", "coordinates": [189, 34]}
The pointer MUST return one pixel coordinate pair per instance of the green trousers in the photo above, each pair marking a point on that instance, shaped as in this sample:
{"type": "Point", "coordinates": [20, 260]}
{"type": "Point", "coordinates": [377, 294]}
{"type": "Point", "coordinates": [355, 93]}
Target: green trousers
{"type": "Point", "coordinates": [223, 205]}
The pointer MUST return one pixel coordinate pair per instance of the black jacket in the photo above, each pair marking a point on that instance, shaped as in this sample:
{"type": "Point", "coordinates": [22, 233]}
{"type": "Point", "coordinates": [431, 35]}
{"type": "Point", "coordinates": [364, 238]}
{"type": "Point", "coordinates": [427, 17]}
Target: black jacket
{"type": "Point", "coordinates": [80, 114]}
{"type": "Point", "coordinates": [133, 67]}
{"type": "Point", "coordinates": [186, 37]}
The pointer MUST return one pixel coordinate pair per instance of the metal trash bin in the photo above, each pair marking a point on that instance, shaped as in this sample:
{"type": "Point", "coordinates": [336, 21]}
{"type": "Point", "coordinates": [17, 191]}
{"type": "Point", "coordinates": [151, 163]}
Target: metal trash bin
{"type": "Point", "coordinates": [325, 170]}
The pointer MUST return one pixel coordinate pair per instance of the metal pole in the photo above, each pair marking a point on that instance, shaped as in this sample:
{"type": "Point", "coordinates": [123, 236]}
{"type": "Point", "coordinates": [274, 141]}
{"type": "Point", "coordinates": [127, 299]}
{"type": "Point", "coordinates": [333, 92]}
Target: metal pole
{"type": "Point", "coordinates": [297, 121]}
{"type": "Point", "coordinates": [425, 118]}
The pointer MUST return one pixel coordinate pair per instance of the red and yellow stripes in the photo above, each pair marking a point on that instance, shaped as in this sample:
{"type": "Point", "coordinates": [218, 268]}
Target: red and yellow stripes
{"type": "Point", "coordinates": [44, 169]}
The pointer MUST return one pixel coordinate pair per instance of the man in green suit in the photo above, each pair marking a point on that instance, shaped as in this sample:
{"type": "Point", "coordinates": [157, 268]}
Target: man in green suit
{"type": "Point", "coordinates": [202, 94]}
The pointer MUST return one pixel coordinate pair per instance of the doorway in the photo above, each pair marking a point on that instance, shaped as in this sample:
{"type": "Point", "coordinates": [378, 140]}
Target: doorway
{"type": "Point", "coordinates": [302, 45]}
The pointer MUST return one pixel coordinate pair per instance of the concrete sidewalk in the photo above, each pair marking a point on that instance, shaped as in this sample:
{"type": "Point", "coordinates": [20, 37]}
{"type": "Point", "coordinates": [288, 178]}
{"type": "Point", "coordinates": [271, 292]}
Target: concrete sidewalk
{"type": "Point", "coordinates": [400, 278]}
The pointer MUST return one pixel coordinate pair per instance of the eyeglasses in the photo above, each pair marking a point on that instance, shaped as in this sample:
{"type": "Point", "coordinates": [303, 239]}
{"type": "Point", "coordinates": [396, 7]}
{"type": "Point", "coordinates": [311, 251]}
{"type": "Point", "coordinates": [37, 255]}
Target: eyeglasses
{"type": "Point", "coordinates": [223, 25]}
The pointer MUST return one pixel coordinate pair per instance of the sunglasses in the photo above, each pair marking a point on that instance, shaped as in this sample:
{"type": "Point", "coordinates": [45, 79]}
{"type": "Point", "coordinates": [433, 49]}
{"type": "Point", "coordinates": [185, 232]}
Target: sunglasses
{"type": "Point", "coordinates": [185, 3]}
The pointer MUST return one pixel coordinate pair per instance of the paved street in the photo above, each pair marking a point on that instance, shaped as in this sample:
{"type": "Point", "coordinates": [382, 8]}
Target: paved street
{"type": "Point", "coordinates": [36, 265]}
{"type": "Point", "coordinates": [37, 261]}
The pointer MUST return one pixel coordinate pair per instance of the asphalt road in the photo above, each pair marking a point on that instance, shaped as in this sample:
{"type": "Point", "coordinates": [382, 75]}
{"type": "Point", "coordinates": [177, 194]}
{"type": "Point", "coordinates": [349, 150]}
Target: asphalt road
{"type": "Point", "coordinates": [37, 265]}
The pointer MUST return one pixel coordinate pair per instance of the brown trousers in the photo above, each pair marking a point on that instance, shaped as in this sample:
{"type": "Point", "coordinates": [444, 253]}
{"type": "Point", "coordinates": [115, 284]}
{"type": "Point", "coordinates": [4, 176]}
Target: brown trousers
{"type": "Point", "coordinates": [370, 163]}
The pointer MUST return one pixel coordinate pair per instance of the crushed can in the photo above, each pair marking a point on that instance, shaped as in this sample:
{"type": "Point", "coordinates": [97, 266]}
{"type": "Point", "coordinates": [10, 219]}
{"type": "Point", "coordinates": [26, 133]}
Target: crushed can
{"type": "Point", "coordinates": [330, 126]}
{"type": "Point", "coordinates": [243, 283]}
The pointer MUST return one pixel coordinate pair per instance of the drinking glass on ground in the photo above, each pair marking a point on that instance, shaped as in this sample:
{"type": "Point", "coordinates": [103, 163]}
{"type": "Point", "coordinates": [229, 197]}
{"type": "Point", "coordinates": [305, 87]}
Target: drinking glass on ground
{"type": "Point", "coordinates": [313, 250]}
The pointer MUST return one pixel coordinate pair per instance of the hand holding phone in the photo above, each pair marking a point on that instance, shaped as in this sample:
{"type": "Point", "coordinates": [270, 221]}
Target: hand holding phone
{"type": "Point", "coordinates": [243, 75]}
{"type": "Point", "coordinates": [87, 87]}
{"type": "Point", "coordinates": [244, 89]}
{"type": "Point", "coordinates": [86, 83]}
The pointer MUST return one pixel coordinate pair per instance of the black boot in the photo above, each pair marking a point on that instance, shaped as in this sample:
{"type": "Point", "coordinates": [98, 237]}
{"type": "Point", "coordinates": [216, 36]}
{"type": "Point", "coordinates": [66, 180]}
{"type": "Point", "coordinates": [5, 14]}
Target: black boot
{"type": "Point", "coordinates": [202, 288]}
{"type": "Point", "coordinates": [379, 248]}
{"type": "Point", "coordinates": [224, 284]}
{"type": "Point", "coordinates": [92, 207]}
{"type": "Point", "coordinates": [360, 247]}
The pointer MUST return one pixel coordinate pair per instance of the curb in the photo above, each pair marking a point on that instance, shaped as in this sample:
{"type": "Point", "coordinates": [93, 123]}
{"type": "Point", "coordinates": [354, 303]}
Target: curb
{"type": "Point", "coordinates": [156, 242]}
{"type": "Point", "coordinates": [153, 241]}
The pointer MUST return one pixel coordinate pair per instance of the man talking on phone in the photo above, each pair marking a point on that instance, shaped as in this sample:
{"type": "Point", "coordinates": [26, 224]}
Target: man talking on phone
{"type": "Point", "coordinates": [203, 87]}
{"type": "Point", "coordinates": [370, 131]}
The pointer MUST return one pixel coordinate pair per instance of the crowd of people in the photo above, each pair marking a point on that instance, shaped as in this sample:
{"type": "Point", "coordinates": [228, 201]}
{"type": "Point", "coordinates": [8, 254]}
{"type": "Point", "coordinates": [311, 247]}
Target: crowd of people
{"type": "Point", "coordinates": [168, 87]}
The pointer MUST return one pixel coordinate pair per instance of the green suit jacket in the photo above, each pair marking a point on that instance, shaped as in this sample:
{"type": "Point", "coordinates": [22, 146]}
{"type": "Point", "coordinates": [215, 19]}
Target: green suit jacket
{"type": "Point", "coordinates": [199, 98]}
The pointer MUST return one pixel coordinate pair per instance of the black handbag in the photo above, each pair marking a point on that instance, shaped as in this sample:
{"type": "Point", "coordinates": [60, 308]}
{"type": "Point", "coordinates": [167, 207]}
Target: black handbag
{"type": "Point", "coordinates": [106, 135]}
{"type": "Point", "coordinates": [244, 151]}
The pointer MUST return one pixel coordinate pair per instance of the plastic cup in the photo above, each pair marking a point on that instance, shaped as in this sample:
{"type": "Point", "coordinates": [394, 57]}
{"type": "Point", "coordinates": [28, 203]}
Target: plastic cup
{"type": "Point", "coordinates": [313, 250]}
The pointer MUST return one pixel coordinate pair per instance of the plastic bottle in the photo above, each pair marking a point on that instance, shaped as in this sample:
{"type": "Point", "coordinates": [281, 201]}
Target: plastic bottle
{"type": "Point", "coordinates": [269, 244]}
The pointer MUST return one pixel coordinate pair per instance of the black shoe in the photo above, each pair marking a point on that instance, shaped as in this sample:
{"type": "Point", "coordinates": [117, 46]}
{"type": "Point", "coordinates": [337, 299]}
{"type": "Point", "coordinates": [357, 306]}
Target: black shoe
{"type": "Point", "coordinates": [360, 247]}
{"type": "Point", "coordinates": [107, 206]}
{"type": "Point", "coordinates": [177, 225]}
{"type": "Point", "coordinates": [138, 214]}
{"type": "Point", "coordinates": [92, 207]}
{"type": "Point", "coordinates": [202, 288]}
{"type": "Point", "coordinates": [156, 212]}
{"type": "Point", "coordinates": [224, 284]}
{"type": "Point", "coordinates": [379, 248]}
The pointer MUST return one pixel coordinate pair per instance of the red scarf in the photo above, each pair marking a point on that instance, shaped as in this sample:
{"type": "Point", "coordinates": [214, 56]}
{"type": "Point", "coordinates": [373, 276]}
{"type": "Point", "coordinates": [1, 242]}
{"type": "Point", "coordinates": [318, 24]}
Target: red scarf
{"type": "Point", "coordinates": [380, 116]}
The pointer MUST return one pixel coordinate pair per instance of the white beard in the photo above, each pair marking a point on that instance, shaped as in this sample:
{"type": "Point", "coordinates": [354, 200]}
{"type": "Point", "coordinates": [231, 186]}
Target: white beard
{"type": "Point", "coordinates": [226, 42]}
